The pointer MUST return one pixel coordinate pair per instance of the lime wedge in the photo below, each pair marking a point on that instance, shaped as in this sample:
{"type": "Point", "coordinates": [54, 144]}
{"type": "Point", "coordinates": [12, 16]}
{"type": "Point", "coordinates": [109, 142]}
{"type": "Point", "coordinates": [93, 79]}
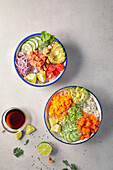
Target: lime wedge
{"type": "Point", "coordinates": [44, 149]}
{"type": "Point", "coordinates": [41, 76]}
{"type": "Point", "coordinates": [29, 129]}
{"type": "Point", "coordinates": [53, 121]}
{"type": "Point", "coordinates": [31, 77]}
{"type": "Point", "coordinates": [56, 128]}
{"type": "Point", "coordinates": [18, 135]}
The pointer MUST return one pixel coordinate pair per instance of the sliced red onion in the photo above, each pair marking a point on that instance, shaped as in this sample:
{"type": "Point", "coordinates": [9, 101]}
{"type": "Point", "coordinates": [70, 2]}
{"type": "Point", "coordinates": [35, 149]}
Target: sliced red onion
{"type": "Point", "coordinates": [23, 65]}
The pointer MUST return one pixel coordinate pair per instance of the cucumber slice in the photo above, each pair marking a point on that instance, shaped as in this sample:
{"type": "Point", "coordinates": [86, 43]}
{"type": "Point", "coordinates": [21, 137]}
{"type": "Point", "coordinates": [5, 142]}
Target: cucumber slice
{"type": "Point", "coordinates": [32, 44]}
{"type": "Point", "coordinates": [38, 40]}
{"type": "Point", "coordinates": [35, 41]}
{"type": "Point", "coordinates": [26, 47]}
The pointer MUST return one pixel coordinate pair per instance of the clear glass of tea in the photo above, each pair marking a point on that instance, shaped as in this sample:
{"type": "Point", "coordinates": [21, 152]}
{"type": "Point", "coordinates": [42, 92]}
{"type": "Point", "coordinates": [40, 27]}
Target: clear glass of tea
{"type": "Point", "coordinates": [14, 120]}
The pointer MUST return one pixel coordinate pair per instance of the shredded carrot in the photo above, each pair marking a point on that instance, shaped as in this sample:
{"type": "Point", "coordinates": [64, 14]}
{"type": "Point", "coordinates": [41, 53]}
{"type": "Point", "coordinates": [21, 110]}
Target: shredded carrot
{"type": "Point", "coordinates": [59, 105]}
{"type": "Point", "coordinates": [88, 125]}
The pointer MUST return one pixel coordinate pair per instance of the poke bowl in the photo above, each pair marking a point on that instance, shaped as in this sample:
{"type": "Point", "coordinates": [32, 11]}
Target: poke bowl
{"type": "Point", "coordinates": [40, 59]}
{"type": "Point", "coordinates": [73, 115]}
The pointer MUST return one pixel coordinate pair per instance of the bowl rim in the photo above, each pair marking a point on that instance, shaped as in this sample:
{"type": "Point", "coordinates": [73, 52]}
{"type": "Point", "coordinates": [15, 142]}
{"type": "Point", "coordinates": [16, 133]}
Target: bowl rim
{"type": "Point", "coordinates": [72, 143]}
{"type": "Point", "coordinates": [39, 85]}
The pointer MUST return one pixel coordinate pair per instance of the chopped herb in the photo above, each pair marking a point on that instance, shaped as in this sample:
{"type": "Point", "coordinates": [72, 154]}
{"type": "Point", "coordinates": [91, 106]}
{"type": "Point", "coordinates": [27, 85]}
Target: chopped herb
{"type": "Point", "coordinates": [18, 152]}
{"type": "Point", "coordinates": [72, 166]}
{"type": "Point", "coordinates": [27, 141]}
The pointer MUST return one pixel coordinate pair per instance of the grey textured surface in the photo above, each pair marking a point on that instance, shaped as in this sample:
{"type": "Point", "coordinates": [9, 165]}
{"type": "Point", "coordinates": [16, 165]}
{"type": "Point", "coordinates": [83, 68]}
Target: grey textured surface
{"type": "Point", "coordinates": [85, 27]}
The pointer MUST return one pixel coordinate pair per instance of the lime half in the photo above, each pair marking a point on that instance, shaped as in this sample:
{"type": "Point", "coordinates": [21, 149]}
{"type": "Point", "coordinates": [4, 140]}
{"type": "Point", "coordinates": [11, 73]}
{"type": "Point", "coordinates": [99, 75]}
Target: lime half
{"type": "Point", "coordinates": [31, 77]}
{"type": "Point", "coordinates": [18, 135]}
{"type": "Point", "coordinates": [41, 76]}
{"type": "Point", "coordinates": [29, 129]}
{"type": "Point", "coordinates": [44, 149]}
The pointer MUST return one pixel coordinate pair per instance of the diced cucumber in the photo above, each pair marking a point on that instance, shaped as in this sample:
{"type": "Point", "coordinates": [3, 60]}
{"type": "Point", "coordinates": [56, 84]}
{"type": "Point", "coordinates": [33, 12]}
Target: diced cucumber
{"type": "Point", "coordinates": [73, 139]}
{"type": "Point", "coordinates": [65, 136]}
{"type": "Point", "coordinates": [26, 47]}
{"type": "Point", "coordinates": [76, 134]}
{"type": "Point", "coordinates": [68, 137]}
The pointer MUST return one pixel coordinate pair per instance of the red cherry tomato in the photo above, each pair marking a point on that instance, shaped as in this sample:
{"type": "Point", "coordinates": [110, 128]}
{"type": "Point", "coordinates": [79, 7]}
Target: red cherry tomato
{"type": "Point", "coordinates": [60, 67]}
{"type": "Point", "coordinates": [51, 67]}
{"type": "Point", "coordinates": [56, 72]}
{"type": "Point", "coordinates": [49, 75]}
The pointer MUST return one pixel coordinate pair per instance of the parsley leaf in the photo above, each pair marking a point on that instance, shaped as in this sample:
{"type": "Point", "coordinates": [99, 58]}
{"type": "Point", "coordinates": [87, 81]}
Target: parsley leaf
{"type": "Point", "coordinates": [18, 152]}
{"type": "Point", "coordinates": [64, 169]}
{"type": "Point", "coordinates": [73, 167]}
{"type": "Point", "coordinates": [27, 141]}
{"type": "Point", "coordinates": [66, 162]}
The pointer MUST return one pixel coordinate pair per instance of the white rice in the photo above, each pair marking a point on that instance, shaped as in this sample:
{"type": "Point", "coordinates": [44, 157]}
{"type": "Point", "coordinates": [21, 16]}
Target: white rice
{"type": "Point", "coordinates": [90, 106]}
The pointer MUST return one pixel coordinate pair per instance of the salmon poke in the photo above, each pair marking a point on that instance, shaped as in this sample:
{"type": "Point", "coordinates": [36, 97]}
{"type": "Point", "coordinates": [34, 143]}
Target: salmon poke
{"type": "Point", "coordinates": [40, 59]}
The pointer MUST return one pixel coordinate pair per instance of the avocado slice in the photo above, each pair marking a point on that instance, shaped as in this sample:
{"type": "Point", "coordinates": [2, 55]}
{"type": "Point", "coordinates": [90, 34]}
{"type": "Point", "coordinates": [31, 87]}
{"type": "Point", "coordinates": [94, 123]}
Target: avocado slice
{"type": "Point", "coordinates": [57, 54]}
{"type": "Point", "coordinates": [79, 95]}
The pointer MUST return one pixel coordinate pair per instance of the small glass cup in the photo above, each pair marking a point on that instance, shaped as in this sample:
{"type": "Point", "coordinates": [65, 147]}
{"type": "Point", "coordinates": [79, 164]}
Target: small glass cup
{"type": "Point", "coordinates": [14, 120]}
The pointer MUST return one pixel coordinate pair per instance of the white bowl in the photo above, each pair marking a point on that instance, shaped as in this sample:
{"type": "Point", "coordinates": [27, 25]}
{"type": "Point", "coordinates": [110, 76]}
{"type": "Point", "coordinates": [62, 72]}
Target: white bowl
{"type": "Point", "coordinates": [56, 135]}
{"type": "Point", "coordinates": [45, 84]}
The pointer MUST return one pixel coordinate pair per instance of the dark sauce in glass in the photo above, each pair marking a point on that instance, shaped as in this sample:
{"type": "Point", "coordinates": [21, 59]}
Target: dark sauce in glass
{"type": "Point", "coordinates": [15, 118]}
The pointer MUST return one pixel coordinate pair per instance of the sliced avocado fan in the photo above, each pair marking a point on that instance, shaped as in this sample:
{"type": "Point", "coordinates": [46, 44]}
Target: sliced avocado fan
{"type": "Point", "coordinates": [79, 95]}
{"type": "Point", "coordinates": [57, 54]}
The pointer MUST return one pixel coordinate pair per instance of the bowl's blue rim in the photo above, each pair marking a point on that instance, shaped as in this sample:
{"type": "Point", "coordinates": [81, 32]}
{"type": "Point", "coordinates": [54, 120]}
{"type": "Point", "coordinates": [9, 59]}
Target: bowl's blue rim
{"type": "Point", "coordinates": [35, 85]}
{"type": "Point", "coordinates": [69, 142]}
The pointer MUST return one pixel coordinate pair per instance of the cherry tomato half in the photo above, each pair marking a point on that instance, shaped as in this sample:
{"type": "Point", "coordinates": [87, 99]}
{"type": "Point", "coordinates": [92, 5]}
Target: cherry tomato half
{"type": "Point", "coordinates": [49, 75]}
{"type": "Point", "coordinates": [56, 72]}
{"type": "Point", "coordinates": [51, 67]}
{"type": "Point", "coordinates": [60, 67]}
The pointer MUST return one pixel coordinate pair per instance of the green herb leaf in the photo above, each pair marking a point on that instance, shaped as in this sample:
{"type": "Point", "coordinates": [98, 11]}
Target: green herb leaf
{"type": "Point", "coordinates": [66, 162]}
{"type": "Point", "coordinates": [73, 167]}
{"type": "Point", "coordinates": [18, 152]}
{"type": "Point", "coordinates": [27, 141]}
{"type": "Point", "coordinates": [64, 169]}
{"type": "Point", "coordinates": [47, 37]}
{"type": "Point", "coordinates": [52, 39]}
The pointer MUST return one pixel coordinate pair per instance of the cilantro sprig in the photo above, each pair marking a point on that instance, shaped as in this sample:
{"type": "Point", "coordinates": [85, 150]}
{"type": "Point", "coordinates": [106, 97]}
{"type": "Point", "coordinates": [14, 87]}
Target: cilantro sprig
{"type": "Point", "coordinates": [18, 152]}
{"type": "Point", "coordinates": [72, 166]}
